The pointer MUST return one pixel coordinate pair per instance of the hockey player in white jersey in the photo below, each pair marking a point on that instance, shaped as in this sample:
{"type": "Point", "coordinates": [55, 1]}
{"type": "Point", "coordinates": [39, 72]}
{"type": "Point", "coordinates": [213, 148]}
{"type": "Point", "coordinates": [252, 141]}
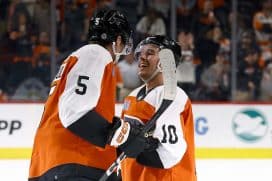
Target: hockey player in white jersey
{"type": "Point", "coordinates": [173, 158]}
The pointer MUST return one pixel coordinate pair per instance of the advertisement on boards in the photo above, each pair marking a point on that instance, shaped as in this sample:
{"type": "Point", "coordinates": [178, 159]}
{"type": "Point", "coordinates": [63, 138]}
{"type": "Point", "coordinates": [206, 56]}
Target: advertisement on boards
{"type": "Point", "coordinates": [216, 125]}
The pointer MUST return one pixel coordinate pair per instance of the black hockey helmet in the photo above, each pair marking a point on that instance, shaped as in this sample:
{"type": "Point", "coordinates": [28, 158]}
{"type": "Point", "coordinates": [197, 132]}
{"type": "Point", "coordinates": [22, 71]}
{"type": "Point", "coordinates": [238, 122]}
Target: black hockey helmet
{"type": "Point", "coordinates": [162, 42]}
{"type": "Point", "coordinates": [107, 24]}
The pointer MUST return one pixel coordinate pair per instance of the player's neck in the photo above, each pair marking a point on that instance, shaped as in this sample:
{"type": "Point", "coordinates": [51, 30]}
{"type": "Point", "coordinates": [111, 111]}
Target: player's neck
{"type": "Point", "coordinates": [155, 82]}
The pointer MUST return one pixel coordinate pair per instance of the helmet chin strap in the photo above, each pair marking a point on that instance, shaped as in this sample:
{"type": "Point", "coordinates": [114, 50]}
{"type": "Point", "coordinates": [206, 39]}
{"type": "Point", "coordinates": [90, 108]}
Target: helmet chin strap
{"type": "Point", "coordinates": [117, 55]}
{"type": "Point", "coordinates": [126, 50]}
{"type": "Point", "coordinates": [156, 71]}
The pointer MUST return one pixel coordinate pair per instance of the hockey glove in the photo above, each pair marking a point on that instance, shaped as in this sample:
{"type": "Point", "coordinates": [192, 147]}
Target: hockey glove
{"type": "Point", "coordinates": [137, 142]}
{"type": "Point", "coordinates": [151, 144]}
{"type": "Point", "coordinates": [119, 132]}
{"type": "Point", "coordinates": [130, 139]}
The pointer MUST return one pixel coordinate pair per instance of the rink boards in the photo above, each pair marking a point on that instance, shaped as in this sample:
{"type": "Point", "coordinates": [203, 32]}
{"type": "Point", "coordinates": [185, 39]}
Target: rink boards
{"type": "Point", "coordinates": [221, 130]}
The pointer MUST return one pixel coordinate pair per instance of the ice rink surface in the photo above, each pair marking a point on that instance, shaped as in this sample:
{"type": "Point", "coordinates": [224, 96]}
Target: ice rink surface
{"type": "Point", "coordinates": [207, 170]}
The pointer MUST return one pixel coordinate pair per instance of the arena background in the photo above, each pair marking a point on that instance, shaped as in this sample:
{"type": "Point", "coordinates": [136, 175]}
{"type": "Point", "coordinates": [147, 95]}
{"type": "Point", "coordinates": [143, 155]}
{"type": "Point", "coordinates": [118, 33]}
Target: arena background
{"type": "Point", "coordinates": [226, 71]}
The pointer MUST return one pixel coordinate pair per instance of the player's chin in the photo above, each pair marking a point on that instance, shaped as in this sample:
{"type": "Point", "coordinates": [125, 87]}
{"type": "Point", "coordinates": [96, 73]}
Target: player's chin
{"type": "Point", "coordinates": [141, 70]}
{"type": "Point", "coordinates": [143, 75]}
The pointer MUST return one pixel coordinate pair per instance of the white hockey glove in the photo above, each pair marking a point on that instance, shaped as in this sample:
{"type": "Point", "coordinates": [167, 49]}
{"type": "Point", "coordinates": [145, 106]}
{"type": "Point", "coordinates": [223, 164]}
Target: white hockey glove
{"type": "Point", "coordinates": [121, 134]}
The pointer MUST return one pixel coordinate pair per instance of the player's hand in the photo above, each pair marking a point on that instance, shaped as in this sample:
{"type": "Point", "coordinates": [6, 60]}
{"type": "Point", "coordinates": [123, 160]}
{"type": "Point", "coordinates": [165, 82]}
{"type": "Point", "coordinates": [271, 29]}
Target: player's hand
{"type": "Point", "coordinates": [130, 139]}
{"type": "Point", "coordinates": [138, 142]}
{"type": "Point", "coordinates": [119, 132]}
{"type": "Point", "coordinates": [151, 144]}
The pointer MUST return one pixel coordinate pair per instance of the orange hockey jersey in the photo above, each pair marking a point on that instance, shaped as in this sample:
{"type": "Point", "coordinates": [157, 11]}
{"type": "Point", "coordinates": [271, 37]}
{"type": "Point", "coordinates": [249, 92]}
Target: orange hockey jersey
{"type": "Point", "coordinates": [85, 82]}
{"type": "Point", "coordinates": [175, 131]}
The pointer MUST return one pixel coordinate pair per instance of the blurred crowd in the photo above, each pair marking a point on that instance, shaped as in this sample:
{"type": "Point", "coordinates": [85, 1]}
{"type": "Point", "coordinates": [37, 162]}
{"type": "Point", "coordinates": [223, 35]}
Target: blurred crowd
{"type": "Point", "coordinates": [203, 31]}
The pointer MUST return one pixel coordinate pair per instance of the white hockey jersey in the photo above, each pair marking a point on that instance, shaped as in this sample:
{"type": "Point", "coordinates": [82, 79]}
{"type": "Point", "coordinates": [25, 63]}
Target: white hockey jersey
{"type": "Point", "coordinates": [175, 157]}
{"type": "Point", "coordinates": [83, 91]}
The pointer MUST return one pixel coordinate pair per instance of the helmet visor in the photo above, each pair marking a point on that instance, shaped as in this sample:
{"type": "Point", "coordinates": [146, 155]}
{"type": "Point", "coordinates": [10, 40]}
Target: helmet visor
{"type": "Point", "coordinates": [142, 49]}
{"type": "Point", "coordinates": [127, 48]}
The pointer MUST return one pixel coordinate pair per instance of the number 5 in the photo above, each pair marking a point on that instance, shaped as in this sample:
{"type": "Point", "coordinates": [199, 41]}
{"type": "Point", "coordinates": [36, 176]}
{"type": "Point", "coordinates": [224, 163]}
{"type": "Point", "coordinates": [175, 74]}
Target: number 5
{"type": "Point", "coordinates": [82, 88]}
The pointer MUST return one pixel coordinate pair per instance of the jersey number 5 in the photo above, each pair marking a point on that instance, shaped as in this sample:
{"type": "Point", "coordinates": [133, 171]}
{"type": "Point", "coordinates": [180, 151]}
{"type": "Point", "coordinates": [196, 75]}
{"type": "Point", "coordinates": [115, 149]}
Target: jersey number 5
{"type": "Point", "coordinates": [82, 87]}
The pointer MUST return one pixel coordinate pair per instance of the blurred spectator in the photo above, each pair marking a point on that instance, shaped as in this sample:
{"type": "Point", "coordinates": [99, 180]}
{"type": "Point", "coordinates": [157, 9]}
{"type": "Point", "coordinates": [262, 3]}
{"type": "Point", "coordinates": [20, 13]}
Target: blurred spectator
{"type": "Point", "coordinates": [162, 7]}
{"type": "Point", "coordinates": [247, 9]}
{"type": "Point", "coordinates": [128, 69]}
{"type": "Point", "coordinates": [208, 46]}
{"type": "Point", "coordinates": [248, 77]}
{"type": "Point", "coordinates": [73, 26]}
{"type": "Point", "coordinates": [41, 58]}
{"type": "Point", "coordinates": [150, 24]}
{"type": "Point", "coordinates": [247, 42]}
{"type": "Point", "coordinates": [221, 39]}
{"type": "Point", "coordinates": [186, 40]}
{"type": "Point", "coordinates": [215, 82]}
{"type": "Point", "coordinates": [266, 84]}
{"type": "Point", "coordinates": [206, 49]}
{"type": "Point", "coordinates": [266, 55]}
{"type": "Point", "coordinates": [16, 8]}
{"type": "Point", "coordinates": [262, 23]}
{"type": "Point", "coordinates": [163, 10]}
{"type": "Point", "coordinates": [185, 14]}
{"type": "Point", "coordinates": [42, 47]}
{"type": "Point", "coordinates": [242, 26]}
{"type": "Point", "coordinates": [41, 14]}
{"type": "Point", "coordinates": [205, 20]}
{"type": "Point", "coordinates": [20, 34]}
{"type": "Point", "coordinates": [20, 39]}
{"type": "Point", "coordinates": [89, 7]}
{"type": "Point", "coordinates": [215, 8]}
{"type": "Point", "coordinates": [186, 74]}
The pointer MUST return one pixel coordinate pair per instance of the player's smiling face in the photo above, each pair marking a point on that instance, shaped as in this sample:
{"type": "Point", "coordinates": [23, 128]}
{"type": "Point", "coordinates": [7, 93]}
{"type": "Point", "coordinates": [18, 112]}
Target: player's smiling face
{"type": "Point", "coordinates": [148, 58]}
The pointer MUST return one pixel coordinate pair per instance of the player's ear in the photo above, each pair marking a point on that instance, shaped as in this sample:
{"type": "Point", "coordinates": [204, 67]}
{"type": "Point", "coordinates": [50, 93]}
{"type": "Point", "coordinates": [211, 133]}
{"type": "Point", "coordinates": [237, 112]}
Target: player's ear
{"type": "Point", "coordinates": [159, 66]}
{"type": "Point", "coordinates": [119, 44]}
{"type": "Point", "coordinates": [119, 40]}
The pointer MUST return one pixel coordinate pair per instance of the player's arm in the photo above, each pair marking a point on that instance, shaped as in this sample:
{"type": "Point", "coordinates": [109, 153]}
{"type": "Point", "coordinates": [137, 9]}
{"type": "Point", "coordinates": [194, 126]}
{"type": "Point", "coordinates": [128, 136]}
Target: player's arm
{"type": "Point", "coordinates": [92, 127]}
{"type": "Point", "coordinates": [78, 101]}
{"type": "Point", "coordinates": [80, 96]}
{"type": "Point", "coordinates": [172, 145]}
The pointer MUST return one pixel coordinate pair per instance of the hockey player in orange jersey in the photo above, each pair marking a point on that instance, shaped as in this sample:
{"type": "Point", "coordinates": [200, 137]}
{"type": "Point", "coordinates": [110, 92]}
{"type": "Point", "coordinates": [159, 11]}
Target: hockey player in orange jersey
{"type": "Point", "coordinates": [76, 128]}
{"type": "Point", "coordinates": [173, 159]}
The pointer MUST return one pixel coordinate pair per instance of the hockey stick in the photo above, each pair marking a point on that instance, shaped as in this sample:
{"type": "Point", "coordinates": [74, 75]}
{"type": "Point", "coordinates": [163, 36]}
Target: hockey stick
{"type": "Point", "coordinates": [168, 65]}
